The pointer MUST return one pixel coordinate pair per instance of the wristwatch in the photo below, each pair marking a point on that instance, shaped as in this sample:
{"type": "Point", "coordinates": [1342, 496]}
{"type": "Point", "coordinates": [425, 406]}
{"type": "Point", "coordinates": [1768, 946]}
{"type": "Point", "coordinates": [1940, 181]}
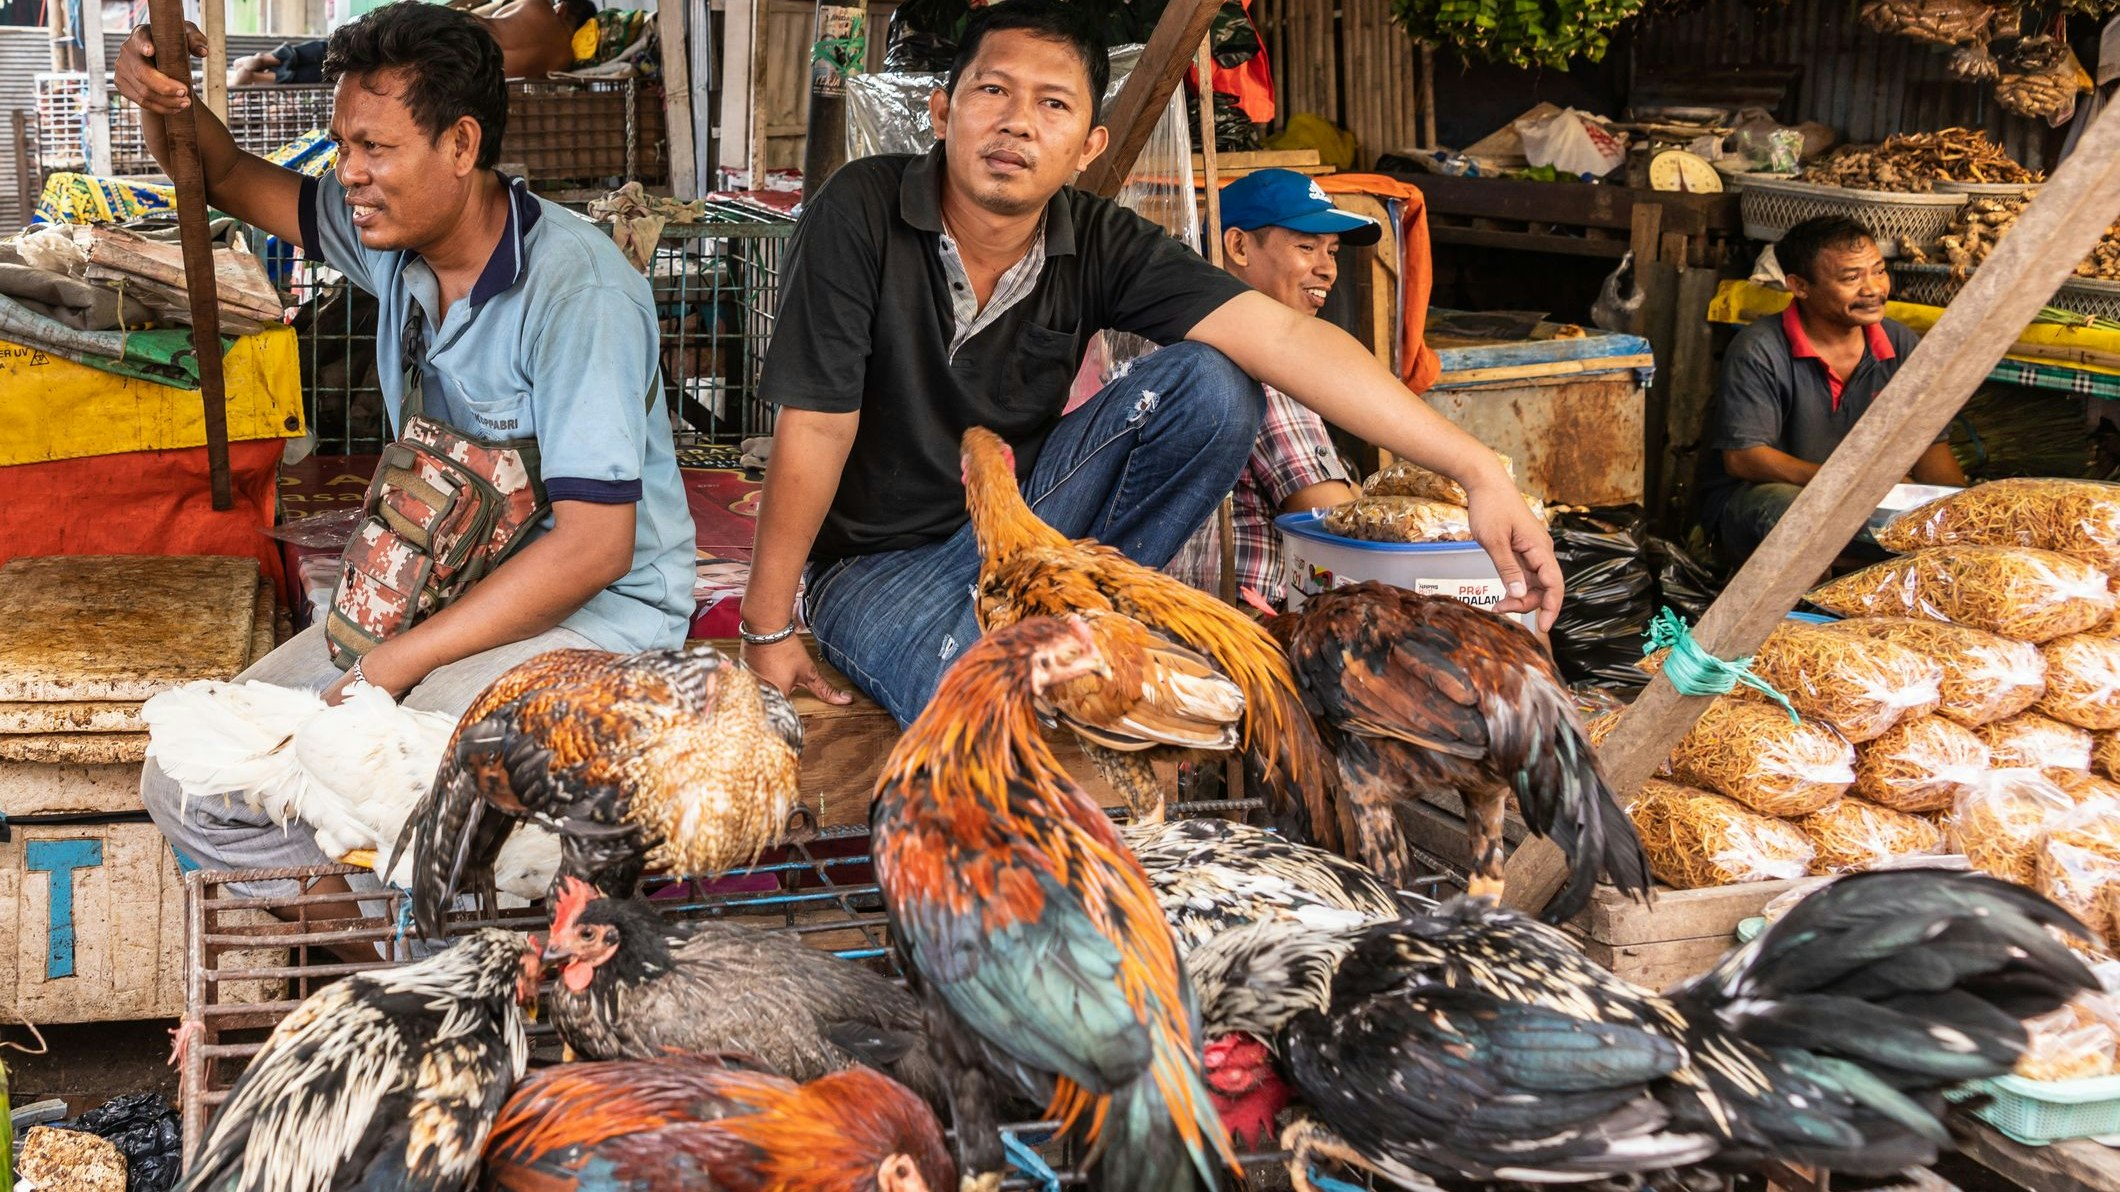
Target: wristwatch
{"type": "Point", "coordinates": [743, 630]}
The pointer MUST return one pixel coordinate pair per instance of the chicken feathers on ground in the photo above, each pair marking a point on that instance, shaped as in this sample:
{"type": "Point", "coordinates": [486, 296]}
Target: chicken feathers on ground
{"type": "Point", "coordinates": [1213, 875]}
{"type": "Point", "coordinates": [386, 1079]}
{"type": "Point", "coordinates": [633, 985]}
{"type": "Point", "coordinates": [353, 772]}
{"type": "Point", "coordinates": [1429, 695]}
{"type": "Point", "coordinates": [1477, 1044]}
{"type": "Point", "coordinates": [677, 759]}
{"type": "Point", "coordinates": [1159, 694]}
{"type": "Point", "coordinates": [1030, 932]}
{"type": "Point", "coordinates": [697, 1123]}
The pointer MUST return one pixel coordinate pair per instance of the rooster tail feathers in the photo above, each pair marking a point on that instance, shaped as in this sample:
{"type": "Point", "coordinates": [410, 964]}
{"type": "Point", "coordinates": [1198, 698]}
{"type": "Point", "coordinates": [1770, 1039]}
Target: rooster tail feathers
{"type": "Point", "coordinates": [1563, 794]}
{"type": "Point", "coordinates": [445, 832]}
{"type": "Point", "coordinates": [1161, 1133]}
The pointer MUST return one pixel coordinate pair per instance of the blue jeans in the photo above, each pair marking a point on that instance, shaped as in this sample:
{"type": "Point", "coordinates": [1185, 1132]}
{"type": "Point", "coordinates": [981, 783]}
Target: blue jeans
{"type": "Point", "coordinates": [1140, 467]}
{"type": "Point", "coordinates": [1749, 513]}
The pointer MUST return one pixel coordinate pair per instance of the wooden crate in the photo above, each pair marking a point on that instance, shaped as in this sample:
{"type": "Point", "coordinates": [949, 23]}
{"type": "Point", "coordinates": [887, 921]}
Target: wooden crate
{"type": "Point", "coordinates": [1681, 935]}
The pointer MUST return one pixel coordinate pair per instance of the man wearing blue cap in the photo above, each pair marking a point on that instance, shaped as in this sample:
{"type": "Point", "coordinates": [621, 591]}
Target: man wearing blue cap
{"type": "Point", "coordinates": [1281, 236]}
{"type": "Point", "coordinates": [924, 295]}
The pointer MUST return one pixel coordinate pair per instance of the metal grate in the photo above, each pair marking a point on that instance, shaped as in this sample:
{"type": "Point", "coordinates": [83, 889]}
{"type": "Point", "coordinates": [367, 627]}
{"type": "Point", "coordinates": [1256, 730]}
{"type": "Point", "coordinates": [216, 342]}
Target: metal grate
{"type": "Point", "coordinates": [246, 967]}
{"type": "Point", "coordinates": [717, 292]}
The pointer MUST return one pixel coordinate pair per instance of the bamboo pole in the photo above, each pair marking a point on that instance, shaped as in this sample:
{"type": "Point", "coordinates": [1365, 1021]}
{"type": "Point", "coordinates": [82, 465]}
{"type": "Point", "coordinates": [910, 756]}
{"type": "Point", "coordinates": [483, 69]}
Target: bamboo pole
{"type": "Point", "coordinates": [2058, 227]}
{"type": "Point", "coordinates": [187, 176]}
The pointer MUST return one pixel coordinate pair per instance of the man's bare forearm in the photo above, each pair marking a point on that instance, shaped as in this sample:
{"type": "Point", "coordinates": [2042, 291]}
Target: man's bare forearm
{"type": "Point", "coordinates": [1768, 465]}
{"type": "Point", "coordinates": [244, 185]}
{"type": "Point", "coordinates": [809, 454]}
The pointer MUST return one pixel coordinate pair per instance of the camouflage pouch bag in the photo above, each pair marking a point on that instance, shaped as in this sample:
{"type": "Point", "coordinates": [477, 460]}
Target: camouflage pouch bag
{"type": "Point", "coordinates": [443, 511]}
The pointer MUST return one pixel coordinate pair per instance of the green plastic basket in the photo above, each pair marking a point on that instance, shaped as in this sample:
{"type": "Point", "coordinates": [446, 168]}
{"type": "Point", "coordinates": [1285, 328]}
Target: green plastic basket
{"type": "Point", "coordinates": [2037, 1112]}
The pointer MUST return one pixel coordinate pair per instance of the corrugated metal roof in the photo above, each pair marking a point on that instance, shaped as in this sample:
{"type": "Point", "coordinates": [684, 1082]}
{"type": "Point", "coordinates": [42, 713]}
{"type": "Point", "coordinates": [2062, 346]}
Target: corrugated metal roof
{"type": "Point", "coordinates": [1866, 85]}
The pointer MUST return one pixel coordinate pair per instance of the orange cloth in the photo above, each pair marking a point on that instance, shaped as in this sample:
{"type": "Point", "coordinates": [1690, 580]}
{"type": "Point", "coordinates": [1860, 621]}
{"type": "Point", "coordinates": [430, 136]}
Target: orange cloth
{"type": "Point", "coordinates": [1418, 364]}
{"type": "Point", "coordinates": [142, 503]}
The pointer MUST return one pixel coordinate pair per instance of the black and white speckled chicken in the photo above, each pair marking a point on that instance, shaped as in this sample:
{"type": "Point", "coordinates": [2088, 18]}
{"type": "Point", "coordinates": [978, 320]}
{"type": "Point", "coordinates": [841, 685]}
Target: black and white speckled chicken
{"type": "Point", "coordinates": [1475, 1044]}
{"type": "Point", "coordinates": [633, 985]}
{"type": "Point", "coordinates": [386, 1079]}
{"type": "Point", "coordinates": [1212, 875]}
{"type": "Point", "coordinates": [677, 759]}
{"type": "Point", "coordinates": [1423, 695]}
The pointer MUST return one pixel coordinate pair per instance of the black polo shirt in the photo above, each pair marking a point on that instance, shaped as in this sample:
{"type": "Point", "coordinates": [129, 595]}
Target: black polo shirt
{"type": "Point", "coordinates": [865, 323]}
{"type": "Point", "coordinates": [1777, 392]}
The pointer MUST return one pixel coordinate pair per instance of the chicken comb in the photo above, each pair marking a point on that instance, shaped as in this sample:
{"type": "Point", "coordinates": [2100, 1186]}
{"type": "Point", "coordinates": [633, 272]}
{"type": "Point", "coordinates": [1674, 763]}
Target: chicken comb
{"type": "Point", "coordinates": [574, 895]}
{"type": "Point", "coordinates": [1251, 597]}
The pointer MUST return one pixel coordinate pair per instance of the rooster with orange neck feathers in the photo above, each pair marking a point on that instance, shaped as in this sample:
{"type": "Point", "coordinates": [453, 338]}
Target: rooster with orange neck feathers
{"type": "Point", "coordinates": [1163, 641]}
{"type": "Point", "coordinates": [1032, 934]}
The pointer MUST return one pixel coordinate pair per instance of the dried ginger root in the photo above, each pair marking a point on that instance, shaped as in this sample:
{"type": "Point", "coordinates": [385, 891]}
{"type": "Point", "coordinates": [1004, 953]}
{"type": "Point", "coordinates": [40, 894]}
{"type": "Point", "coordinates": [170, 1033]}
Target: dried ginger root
{"type": "Point", "coordinates": [1695, 839]}
{"type": "Point", "coordinates": [1753, 753]}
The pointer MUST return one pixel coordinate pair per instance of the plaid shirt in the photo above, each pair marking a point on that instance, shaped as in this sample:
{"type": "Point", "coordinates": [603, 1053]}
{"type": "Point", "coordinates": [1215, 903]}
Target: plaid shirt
{"type": "Point", "coordinates": [1293, 452]}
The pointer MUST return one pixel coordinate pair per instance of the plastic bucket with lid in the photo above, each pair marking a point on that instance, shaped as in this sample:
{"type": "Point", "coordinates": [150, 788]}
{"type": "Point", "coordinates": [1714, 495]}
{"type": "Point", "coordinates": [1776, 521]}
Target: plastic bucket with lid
{"type": "Point", "coordinates": [1317, 560]}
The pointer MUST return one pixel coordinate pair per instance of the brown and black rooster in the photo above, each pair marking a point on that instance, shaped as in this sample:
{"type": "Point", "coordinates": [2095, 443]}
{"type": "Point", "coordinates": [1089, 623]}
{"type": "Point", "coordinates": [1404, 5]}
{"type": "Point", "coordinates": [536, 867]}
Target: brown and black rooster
{"type": "Point", "coordinates": [1476, 1044]}
{"type": "Point", "coordinates": [385, 1079]}
{"type": "Point", "coordinates": [677, 759]}
{"type": "Point", "coordinates": [1427, 694]}
{"type": "Point", "coordinates": [1030, 932]}
{"type": "Point", "coordinates": [704, 1123]}
{"type": "Point", "coordinates": [634, 985]}
{"type": "Point", "coordinates": [1186, 668]}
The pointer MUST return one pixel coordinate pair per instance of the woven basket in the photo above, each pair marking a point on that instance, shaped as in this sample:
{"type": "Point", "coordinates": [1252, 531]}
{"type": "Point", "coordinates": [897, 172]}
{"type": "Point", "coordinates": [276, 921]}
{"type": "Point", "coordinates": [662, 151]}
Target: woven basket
{"type": "Point", "coordinates": [1772, 206]}
{"type": "Point", "coordinates": [1988, 189]}
{"type": "Point", "coordinates": [1932, 285]}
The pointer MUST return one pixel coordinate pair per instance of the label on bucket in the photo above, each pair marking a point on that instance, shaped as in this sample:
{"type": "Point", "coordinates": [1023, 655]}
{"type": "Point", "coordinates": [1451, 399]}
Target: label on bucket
{"type": "Point", "coordinates": [1479, 593]}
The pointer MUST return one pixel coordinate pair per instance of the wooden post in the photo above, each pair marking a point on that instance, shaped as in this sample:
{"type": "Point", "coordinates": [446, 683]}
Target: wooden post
{"type": "Point", "coordinates": [755, 109]}
{"type": "Point", "coordinates": [672, 33]}
{"type": "Point", "coordinates": [1140, 104]}
{"type": "Point", "coordinates": [1210, 178]}
{"type": "Point", "coordinates": [2070, 213]}
{"type": "Point", "coordinates": [213, 22]}
{"type": "Point", "coordinates": [1427, 96]}
{"type": "Point", "coordinates": [27, 184]}
{"type": "Point", "coordinates": [91, 33]}
{"type": "Point", "coordinates": [187, 176]}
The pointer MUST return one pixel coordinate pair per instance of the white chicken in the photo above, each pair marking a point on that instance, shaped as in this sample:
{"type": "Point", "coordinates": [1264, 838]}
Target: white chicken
{"type": "Point", "coordinates": [352, 773]}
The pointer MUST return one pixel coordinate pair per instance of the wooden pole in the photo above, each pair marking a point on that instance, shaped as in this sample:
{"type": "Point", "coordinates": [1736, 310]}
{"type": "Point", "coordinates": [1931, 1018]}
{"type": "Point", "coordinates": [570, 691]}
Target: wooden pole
{"type": "Point", "coordinates": [1210, 178]}
{"type": "Point", "coordinates": [91, 32]}
{"type": "Point", "coordinates": [2056, 230]}
{"type": "Point", "coordinates": [1140, 104]}
{"type": "Point", "coordinates": [671, 19]}
{"type": "Point", "coordinates": [181, 138]}
{"type": "Point", "coordinates": [213, 22]}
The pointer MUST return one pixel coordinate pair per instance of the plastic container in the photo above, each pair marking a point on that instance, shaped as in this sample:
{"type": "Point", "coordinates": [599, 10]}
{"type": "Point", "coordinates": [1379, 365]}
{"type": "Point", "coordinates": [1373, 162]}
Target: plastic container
{"type": "Point", "coordinates": [1317, 560]}
{"type": "Point", "coordinates": [2037, 1112]}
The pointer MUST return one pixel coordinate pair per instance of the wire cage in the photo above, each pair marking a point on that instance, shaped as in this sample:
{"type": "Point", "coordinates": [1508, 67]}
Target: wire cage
{"type": "Point", "coordinates": [561, 132]}
{"type": "Point", "coordinates": [249, 961]}
{"type": "Point", "coordinates": [717, 292]}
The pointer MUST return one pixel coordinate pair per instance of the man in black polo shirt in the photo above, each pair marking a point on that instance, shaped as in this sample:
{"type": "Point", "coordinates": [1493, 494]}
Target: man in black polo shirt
{"type": "Point", "coordinates": [1793, 384]}
{"type": "Point", "coordinates": [925, 295]}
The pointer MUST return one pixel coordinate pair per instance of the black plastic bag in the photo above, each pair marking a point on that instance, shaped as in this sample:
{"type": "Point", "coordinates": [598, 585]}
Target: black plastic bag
{"type": "Point", "coordinates": [1611, 594]}
{"type": "Point", "coordinates": [147, 1131]}
{"type": "Point", "coordinates": [1686, 583]}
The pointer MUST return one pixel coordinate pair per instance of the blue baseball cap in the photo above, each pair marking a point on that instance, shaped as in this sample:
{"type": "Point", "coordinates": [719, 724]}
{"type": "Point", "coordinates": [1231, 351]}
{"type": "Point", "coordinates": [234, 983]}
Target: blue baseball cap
{"type": "Point", "coordinates": [1286, 199]}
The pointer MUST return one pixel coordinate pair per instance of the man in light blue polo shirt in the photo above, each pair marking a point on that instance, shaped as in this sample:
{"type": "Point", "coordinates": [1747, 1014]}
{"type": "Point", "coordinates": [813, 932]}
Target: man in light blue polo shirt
{"type": "Point", "coordinates": [522, 320]}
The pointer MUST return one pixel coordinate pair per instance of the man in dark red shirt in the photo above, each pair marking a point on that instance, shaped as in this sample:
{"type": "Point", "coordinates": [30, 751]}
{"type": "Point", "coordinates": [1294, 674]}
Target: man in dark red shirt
{"type": "Point", "coordinates": [1794, 384]}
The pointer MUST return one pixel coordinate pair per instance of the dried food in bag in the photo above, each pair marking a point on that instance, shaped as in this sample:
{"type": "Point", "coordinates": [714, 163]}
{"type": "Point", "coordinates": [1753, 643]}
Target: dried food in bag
{"type": "Point", "coordinates": [1855, 835]}
{"type": "Point", "coordinates": [2031, 741]}
{"type": "Point", "coordinates": [2082, 681]}
{"type": "Point", "coordinates": [2078, 858]}
{"type": "Point", "coordinates": [1406, 519]}
{"type": "Point", "coordinates": [2105, 754]}
{"type": "Point", "coordinates": [2058, 1047]}
{"type": "Point", "coordinates": [1784, 902]}
{"type": "Point", "coordinates": [1920, 765]}
{"type": "Point", "coordinates": [1986, 676]}
{"type": "Point", "coordinates": [1999, 822]}
{"type": "Point", "coordinates": [1755, 754]}
{"type": "Point", "coordinates": [1860, 686]}
{"type": "Point", "coordinates": [1695, 839]}
{"type": "Point", "coordinates": [2075, 517]}
{"type": "Point", "coordinates": [2082, 785]}
{"type": "Point", "coordinates": [1404, 478]}
{"type": "Point", "coordinates": [2031, 595]}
